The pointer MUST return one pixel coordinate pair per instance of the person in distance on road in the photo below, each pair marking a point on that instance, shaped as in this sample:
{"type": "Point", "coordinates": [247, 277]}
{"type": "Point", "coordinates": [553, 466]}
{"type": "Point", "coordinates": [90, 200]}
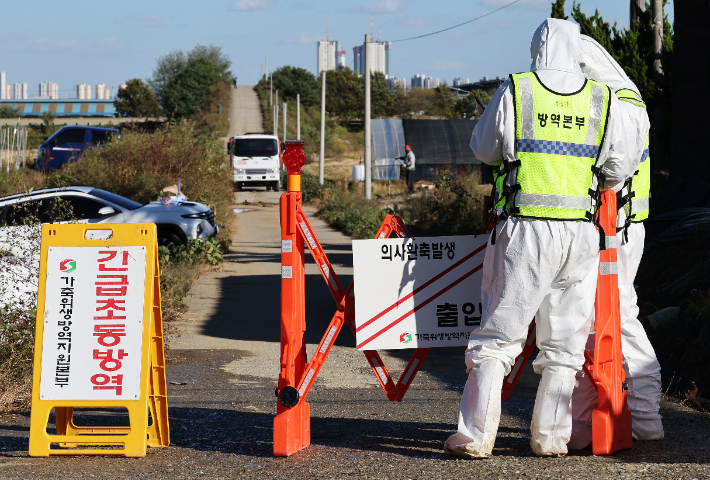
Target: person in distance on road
{"type": "Point", "coordinates": [643, 372]}
{"type": "Point", "coordinates": [409, 165]}
{"type": "Point", "coordinates": [553, 135]}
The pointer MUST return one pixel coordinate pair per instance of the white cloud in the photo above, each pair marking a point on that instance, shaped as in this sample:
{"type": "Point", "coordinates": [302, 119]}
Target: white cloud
{"type": "Point", "coordinates": [444, 66]}
{"type": "Point", "coordinates": [413, 21]}
{"type": "Point", "coordinates": [110, 42]}
{"type": "Point", "coordinates": [49, 44]}
{"type": "Point", "coordinates": [151, 21]}
{"type": "Point", "coordinates": [305, 38]}
{"type": "Point", "coordinates": [245, 5]}
{"type": "Point", "coordinates": [384, 6]}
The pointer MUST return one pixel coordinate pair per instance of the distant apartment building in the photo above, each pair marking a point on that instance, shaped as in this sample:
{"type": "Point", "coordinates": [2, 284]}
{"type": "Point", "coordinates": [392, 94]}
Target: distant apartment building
{"type": "Point", "coordinates": [102, 92]}
{"type": "Point", "coordinates": [422, 81]}
{"type": "Point", "coordinates": [49, 90]}
{"type": "Point", "coordinates": [458, 81]}
{"type": "Point", "coordinates": [83, 92]}
{"type": "Point", "coordinates": [8, 92]}
{"type": "Point", "coordinates": [394, 83]}
{"type": "Point", "coordinates": [327, 54]}
{"type": "Point", "coordinates": [2, 85]}
{"type": "Point", "coordinates": [339, 55]}
{"type": "Point", "coordinates": [358, 57]}
{"type": "Point", "coordinates": [21, 92]}
{"type": "Point", "coordinates": [381, 60]}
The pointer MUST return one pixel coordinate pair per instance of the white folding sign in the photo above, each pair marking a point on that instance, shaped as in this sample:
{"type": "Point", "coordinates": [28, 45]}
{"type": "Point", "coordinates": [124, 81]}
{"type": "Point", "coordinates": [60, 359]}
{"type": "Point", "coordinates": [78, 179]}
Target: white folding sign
{"type": "Point", "coordinates": [93, 323]}
{"type": "Point", "coordinates": [412, 293]}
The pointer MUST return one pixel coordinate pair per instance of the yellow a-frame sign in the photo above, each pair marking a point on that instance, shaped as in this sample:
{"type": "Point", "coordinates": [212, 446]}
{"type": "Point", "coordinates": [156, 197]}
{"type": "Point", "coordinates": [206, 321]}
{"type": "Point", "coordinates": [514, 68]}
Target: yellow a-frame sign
{"type": "Point", "coordinates": [99, 340]}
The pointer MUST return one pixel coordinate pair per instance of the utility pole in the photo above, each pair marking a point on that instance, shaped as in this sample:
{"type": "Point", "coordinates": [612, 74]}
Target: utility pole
{"type": "Point", "coordinates": [271, 91]}
{"type": "Point", "coordinates": [659, 112]}
{"type": "Point", "coordinates": [267, 66]}
{"type": "Point", "coordinates": [276, 117]}
{"type": "Point", "coordinates": [368, 139]}
{"type": "Point", "coordinates": [285, 113]}
{"type": "Point", "coordinates": [633, 17]}
{"type": "Point", "coordinates": [321, 158]}
{"type": "Point", "coordinates": [298, 116]}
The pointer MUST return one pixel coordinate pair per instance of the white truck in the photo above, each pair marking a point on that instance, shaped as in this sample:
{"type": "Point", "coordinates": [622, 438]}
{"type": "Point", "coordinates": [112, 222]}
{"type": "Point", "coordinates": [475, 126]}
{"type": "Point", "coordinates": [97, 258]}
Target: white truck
{"type": "Point", "coordinates": [256, 161]}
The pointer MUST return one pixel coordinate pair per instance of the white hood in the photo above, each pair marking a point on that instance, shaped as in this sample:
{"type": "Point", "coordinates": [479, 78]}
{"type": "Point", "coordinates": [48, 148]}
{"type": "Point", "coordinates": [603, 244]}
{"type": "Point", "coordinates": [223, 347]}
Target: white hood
{"type": "Point", "coordinates": [555, 46]}
{"type": "Point", "coordinates": [597, 64]}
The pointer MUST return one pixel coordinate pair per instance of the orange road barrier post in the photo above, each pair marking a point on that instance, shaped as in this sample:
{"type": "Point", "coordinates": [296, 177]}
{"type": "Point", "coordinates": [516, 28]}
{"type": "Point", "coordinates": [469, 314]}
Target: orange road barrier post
{"type": "Point", "coordinates": [292, 430]}
{"type": "Point", "coordinates": [611, 420]}
{"type": "Point", "coordinates": [297, 374]}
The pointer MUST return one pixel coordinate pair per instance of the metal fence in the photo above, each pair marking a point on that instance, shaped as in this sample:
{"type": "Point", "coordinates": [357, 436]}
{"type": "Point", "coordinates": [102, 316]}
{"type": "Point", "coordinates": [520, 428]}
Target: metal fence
{"type": "Point", "coordinates": [13, 147]}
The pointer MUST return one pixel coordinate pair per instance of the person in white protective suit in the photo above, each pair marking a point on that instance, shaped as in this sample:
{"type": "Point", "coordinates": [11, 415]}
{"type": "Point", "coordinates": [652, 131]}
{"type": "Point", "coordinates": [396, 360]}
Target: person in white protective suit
{"type": "Point", "coordinates": [542, 258]}
{"type": "Point", "coordinates": [643, 372]}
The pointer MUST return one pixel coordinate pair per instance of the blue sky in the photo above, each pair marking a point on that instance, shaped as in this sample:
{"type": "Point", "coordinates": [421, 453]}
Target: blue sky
{"type": "Point", "coordinates": [74, 42]}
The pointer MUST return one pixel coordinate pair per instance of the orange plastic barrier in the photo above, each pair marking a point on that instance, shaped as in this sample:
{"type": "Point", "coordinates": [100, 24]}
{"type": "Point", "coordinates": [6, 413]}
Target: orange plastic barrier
{"type": "Point", "coordinates": [611, 420]}
{"type": "Point", "coordinates": [292, 421]}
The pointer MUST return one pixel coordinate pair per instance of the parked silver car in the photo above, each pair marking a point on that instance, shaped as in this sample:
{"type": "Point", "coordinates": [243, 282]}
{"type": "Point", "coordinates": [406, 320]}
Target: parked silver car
{"type": "Point", "coordinates": [176, 222]}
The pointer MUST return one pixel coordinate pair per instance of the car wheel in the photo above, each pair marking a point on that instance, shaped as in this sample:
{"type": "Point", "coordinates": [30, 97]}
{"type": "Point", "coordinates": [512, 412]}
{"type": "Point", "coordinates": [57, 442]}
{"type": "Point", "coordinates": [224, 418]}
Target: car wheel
{"type": "Point", "coordinates": [168, 239]}
{"type": "Point", "coordinates": [238, 186]}
{"type": "Point", "coordinates": [275, 186]}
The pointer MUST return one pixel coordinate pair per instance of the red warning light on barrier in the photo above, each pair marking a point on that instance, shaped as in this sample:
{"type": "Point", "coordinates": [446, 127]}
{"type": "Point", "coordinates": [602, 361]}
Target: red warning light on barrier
{"type": "Point", "coordinates": [294, 158]}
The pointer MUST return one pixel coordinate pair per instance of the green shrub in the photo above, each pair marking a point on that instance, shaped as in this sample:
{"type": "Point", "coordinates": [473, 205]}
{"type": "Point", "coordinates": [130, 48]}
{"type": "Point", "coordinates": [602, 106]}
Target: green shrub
{"type": "Point", "coordinates": [140, 164]}
{"type": "Point", "coordinates": [310, 187]}
{"type": "Point", "coordinates": [352, 214]}
{"type": "Point", "coordinates": [455, 207]}
{"type": "Point", "coordinates": [192, 252]}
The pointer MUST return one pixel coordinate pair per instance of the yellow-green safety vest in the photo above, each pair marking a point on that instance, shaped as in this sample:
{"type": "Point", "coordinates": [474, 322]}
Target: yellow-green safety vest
{"type": "Point", "coordinates": [637, 195]}
{"type": "Point", "coordinates": [558, 138]}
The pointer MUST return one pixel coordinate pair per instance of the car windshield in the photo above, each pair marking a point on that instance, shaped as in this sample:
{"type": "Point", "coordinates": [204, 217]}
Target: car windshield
{"type": "Point", "coordinates": [115, 199]}
{"type": "Point", "coordinates": [255, 147]}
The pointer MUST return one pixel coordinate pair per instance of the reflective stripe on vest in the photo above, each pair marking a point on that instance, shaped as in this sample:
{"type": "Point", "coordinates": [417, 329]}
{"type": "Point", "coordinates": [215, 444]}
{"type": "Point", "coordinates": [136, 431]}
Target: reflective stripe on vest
{"type": "Point", "coordinates": [638, 203]}
{"type": "Point", "coordinates": [557, 140]}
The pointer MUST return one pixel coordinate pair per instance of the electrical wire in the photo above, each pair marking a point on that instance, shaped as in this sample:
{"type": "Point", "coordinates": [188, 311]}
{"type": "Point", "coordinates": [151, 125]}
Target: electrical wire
{"type": "Point", "coordinates": [456, 26]}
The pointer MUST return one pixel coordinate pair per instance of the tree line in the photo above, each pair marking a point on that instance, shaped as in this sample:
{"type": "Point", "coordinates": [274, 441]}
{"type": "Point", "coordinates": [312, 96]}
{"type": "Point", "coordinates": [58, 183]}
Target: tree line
{"type": "Point", "coordinates": [345, 95]}
{"type": "Point", "coordinates": [633, 49]}
{"type": "Point", "coordinates": [184, 85]}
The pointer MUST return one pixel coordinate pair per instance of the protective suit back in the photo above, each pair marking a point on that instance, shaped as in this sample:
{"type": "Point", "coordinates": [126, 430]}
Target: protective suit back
{"type": "Point", "coordinates": [537, 268]}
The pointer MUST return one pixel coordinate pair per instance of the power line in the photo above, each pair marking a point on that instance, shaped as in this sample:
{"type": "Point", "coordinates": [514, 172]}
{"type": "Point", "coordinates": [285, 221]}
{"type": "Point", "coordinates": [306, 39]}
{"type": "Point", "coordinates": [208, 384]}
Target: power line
{"type": "Point", "coordinates": [456, 26]}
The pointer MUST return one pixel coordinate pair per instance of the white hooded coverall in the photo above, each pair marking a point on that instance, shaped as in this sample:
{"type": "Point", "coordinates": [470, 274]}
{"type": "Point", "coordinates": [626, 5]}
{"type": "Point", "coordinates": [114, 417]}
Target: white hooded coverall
{"type": "Point", "coordinates": [537, 268]}
{"type": "Point", "coordinates": [643, 372]}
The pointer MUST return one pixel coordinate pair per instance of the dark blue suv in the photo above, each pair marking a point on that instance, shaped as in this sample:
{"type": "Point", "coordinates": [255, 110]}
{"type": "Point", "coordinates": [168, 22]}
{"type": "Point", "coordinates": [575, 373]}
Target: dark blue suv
{"type": "Point", "coordinates": [67, 143]}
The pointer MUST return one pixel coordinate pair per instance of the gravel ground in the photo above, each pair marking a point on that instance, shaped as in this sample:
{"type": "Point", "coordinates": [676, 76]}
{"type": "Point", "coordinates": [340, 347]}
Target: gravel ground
{"type": "Point", "coordinates": [221, 428]}
{"type": "Point", "coordinates": [222, 375]}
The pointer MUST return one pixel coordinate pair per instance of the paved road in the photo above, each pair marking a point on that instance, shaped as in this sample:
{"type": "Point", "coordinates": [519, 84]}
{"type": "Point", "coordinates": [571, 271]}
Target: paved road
{"type": "Point", "coordinates": [222, 373]}
{"type": "Point", "coordinates": [244, 111]}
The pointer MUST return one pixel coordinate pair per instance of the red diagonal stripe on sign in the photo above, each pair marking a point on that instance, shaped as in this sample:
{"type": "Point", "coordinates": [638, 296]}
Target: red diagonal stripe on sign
{"type": "Point", "coordinates": [425, 302]}
{"type": "Point", "coordinates": [421, 287]}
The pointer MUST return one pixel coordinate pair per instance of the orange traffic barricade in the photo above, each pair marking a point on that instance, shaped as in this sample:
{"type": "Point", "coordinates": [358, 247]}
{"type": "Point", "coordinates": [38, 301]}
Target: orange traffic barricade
{"type": "Point", "coordinates": [297, 374]}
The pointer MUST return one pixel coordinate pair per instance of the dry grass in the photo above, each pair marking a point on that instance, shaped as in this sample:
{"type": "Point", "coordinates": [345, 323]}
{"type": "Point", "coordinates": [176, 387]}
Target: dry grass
{"type": "Point", "coordinates": [137, 166]}
{"type": "Point", "coordinates": [22, 180]}
{"type": "Point", "coordinates": [16, 355]}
